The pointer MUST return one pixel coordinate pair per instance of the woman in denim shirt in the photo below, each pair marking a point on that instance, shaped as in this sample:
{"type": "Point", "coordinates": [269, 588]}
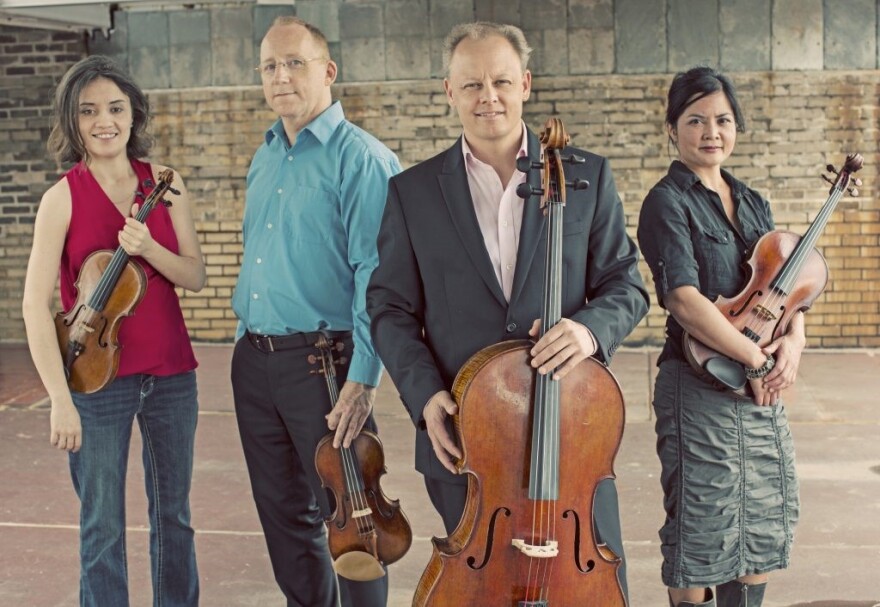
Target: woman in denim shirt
{"type": "Point", "coordinates": [730, 489]}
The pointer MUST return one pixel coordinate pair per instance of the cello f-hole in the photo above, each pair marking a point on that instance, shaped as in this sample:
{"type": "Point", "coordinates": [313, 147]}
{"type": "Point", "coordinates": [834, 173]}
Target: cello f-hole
{"type": "Point", "coordinates": [576, 520]}
{"type": "Point", "coordinates": [490, 540]}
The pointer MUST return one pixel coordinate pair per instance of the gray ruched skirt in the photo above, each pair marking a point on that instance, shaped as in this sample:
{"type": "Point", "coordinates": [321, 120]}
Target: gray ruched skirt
{"type": "Point", "coordinates": [729, 483]}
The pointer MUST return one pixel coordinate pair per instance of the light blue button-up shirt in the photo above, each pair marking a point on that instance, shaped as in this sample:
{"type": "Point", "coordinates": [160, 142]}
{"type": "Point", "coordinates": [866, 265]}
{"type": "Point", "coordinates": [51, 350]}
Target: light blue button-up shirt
{"type": "Point", "coordinates": [311, 218]}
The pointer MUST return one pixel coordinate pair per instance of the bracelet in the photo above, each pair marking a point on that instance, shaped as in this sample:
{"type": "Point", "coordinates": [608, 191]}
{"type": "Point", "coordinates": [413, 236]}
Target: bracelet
{"type": "Point", "coordinates": [763, 370]}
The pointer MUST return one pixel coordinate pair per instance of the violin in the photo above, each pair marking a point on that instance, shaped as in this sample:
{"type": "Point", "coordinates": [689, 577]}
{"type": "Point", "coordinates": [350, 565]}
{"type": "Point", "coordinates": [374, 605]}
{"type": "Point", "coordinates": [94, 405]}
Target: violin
{"type": "Point", "coordinates": [367, 530]}
{"type": "Point", "coordinates": [109, 287]}
{"type": "Point", "coordinates": [786, 273]}
{"type": "Point", "coordinates": [534, 449]}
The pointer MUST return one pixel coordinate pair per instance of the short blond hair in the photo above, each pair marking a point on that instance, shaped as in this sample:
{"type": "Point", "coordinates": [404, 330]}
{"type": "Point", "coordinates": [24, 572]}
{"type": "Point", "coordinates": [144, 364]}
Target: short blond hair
{"type": "Point", "coordinates": [480, 30]}
{"type": "Point", "coordinates": [317, 35]}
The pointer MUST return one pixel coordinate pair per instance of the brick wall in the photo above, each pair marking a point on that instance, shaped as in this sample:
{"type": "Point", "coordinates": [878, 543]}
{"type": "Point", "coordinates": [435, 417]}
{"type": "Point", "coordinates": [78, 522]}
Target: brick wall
{"type": "Point", "coordinates": [797, 122]}
{"type": "Point", "coordinates": [31, 63]}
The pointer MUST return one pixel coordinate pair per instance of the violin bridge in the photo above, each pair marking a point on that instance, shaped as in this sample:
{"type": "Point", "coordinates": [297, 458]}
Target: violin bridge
{"type": "Point", "coordinates": [548, 550]}
{"type": "Point", "coordinates": [764, 313]}
{"type": "Point", "coordinates": [362, 512]}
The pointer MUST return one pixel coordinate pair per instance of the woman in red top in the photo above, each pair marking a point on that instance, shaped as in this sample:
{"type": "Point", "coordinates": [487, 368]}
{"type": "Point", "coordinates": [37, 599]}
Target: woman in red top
{"type": "Point", "coordinates": [100, 124]}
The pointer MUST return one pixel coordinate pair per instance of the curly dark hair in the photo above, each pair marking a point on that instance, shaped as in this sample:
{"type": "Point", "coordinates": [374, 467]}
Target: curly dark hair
{"type": "Point", "coordinates": [65, 141]}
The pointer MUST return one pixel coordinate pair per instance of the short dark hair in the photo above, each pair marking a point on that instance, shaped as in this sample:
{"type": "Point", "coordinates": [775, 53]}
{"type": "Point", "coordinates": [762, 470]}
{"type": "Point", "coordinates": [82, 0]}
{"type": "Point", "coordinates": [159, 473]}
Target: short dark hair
{"type": "Point", "coordinates": [696, 83]}
{"type": "Point", "coordinates": [65, 141]}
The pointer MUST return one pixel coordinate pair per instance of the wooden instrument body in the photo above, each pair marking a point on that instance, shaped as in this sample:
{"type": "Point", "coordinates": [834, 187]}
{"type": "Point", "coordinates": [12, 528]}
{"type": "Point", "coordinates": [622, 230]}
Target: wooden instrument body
{"type": "Point", "coordinates": [760, 310]}
{"type": "Point", "coordinates": [477, 563]}
{"type": "Point", "coordinates": [393, 535]}
{"type": "Point", "coordinates": [97, 331]}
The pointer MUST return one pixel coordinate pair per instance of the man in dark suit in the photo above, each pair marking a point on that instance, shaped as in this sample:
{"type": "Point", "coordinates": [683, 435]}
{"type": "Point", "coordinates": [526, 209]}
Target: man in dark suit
{"type": "Point", "coordinates": [461, 261]}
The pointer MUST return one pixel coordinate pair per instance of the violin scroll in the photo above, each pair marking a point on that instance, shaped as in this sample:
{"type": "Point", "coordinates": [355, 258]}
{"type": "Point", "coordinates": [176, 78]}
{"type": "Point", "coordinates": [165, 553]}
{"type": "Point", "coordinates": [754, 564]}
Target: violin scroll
{"type": "Point", "coordinates": [852, 164]}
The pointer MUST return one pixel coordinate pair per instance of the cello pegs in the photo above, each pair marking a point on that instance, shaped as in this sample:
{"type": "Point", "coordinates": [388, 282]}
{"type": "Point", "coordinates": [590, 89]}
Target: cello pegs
{"type": "Point", "coordinates": [578, 184]}
{"type": "Point", "coordinates": [524, 164]}
{"type": "Point", "coordinates": [524, 190]}
{"type": "Point", "coordinates": [574, 159]}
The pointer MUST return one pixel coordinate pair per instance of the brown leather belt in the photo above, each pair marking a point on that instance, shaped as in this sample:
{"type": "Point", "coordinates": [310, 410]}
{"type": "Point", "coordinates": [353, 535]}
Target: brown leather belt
{"type": "Point", "coordinates": [276, 343]}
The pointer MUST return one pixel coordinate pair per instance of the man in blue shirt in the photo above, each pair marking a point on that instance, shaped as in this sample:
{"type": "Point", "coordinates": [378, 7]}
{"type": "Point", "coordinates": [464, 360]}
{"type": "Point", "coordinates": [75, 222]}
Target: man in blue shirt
{"type": "Point", "coordinates": [315, 194]}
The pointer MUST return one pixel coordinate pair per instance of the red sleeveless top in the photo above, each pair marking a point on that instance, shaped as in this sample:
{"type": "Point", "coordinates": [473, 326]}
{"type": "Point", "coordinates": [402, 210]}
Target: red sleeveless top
{"type": "Point", "coordinates": [154, 339]}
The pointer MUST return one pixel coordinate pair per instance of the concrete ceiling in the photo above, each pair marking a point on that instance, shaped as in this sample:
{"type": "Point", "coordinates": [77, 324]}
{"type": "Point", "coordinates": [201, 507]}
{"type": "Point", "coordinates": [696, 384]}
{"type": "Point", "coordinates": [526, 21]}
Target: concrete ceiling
{"type": "Point", "coordinates": [89, 15]}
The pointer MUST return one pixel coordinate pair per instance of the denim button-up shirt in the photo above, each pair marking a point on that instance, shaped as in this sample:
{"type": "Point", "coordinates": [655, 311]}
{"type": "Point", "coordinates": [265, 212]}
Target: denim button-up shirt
{"type": "Point", "coordinates": [312, 215]}
{"type": "Point", "coordinates": [687, 239]}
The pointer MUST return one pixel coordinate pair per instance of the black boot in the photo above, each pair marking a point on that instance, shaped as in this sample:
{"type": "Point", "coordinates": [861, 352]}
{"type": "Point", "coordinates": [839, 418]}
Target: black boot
{"type": "Point", "coordinates": [708, 602]}
{"type": "Point", "coordinates": [737, 594]}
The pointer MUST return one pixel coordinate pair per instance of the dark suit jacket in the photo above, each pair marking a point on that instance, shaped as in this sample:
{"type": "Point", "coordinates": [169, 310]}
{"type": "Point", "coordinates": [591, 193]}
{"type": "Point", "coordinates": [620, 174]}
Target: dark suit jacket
{"type": "Point", "coordinates": [434, 299]}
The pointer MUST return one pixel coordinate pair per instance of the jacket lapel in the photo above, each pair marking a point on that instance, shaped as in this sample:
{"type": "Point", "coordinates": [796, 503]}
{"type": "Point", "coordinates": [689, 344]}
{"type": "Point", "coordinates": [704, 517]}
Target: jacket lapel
{"type": "Point", "coordinates": [457, 194]}
{"type": "Point", "coordinates": [532, 226]}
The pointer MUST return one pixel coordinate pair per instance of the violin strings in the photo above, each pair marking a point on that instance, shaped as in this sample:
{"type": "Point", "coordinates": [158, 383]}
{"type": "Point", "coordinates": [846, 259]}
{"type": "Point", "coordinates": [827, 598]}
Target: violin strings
{"type": "Point", "coordinates": [348, 466]}
{"type": "Point", "coordinates": [785, 282]}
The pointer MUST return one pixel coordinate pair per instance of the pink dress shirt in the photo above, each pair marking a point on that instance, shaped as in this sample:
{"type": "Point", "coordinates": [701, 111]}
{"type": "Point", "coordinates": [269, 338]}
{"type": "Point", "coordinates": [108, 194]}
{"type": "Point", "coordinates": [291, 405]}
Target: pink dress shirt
{"type": "Point", "coordinates": [499, 212]}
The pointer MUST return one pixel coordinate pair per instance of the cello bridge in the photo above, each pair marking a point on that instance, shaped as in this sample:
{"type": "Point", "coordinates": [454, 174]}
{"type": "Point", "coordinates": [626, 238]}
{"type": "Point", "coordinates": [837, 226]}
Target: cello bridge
{"type": "Point", "coordinates": [549, 550]}
{"type": "Point", "coordinates": [764, 313]}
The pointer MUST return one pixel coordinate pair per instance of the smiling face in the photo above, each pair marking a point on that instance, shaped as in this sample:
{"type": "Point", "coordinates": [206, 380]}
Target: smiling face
{"type": "Point", "coordinates": [296, 95]}
{"type": "Point", "coordinates": [487, 87]}
{"type": "Point", "coordinates": [105, 119]}
{"type": "Point", "coordinates": [705, 133]}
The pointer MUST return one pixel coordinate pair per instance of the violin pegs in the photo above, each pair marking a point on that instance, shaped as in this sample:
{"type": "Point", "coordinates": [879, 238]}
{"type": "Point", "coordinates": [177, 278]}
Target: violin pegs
{"type": "Point", "coordinates": [830, 168]}
{"type": "Point", "coordinates": [854, 192]}
{"type": "Point", "coordinates": [340, 346]}
{"type": "Point", "coordinates": [828, 179]}
{"type": "Point", "coordinates": [312, 359]}
{"type": "Point", "coordinates": [173, 191]}
{"type": "Point", "coordinates": [856, 181]}
{"type": "Point", "coordinates": [166, 203]}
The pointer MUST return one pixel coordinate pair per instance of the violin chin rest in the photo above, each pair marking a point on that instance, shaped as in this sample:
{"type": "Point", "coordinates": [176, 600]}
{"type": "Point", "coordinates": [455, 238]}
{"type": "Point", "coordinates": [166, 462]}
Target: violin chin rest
{"type": "Point", "coordinates": [726, 371]}
{"type": "Point", "coordinates": [358, 566]}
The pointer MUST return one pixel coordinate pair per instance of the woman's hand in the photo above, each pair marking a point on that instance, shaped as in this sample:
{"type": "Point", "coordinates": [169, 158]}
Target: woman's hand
{"type": "Point", "coordinates": [135, 237]}
{"type": "Point", "coordinates": [65, 429]}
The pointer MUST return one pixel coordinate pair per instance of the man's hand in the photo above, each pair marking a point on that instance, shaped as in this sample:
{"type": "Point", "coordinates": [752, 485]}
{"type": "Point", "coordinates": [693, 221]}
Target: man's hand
{"type": "Point", "coordinates": [435, 412]}
{"type": "Point", "coordinates": [351, 411]}
{"type": "Point", "coordinates": [562, 347]}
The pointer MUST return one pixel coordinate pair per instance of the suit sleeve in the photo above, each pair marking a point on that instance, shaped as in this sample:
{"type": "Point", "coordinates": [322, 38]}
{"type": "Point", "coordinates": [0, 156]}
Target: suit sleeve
{"type": "Point", "coordinates": [616, 296]}
{"type": "Point", "coordinates": [396, 305]}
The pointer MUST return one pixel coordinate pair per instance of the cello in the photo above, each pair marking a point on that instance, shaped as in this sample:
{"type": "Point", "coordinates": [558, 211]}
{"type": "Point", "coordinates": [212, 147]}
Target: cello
{"type": "Point", "coordinates": [526, 536]}
{"type": "Point", "coordinates": [366, 531]}
{"type": "Point", "coordinates": [109, 287]}
{"type": "Point", "coordinates": [786, 273]}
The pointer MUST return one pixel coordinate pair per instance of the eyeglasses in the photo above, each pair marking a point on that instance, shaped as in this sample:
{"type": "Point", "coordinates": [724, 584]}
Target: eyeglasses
{"type": "Point", "coordinates": [292, 65]}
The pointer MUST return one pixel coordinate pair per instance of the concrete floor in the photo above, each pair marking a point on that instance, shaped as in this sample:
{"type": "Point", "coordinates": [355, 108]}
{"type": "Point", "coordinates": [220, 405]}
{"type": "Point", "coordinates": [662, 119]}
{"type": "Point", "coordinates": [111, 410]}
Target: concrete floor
{"type": "Point", "coordinates": [835, 420]}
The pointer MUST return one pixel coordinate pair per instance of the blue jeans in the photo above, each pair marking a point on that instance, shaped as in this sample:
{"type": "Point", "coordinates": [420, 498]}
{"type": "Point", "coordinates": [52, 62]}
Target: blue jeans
{"type": "Point", "coordinates": [166, 409]}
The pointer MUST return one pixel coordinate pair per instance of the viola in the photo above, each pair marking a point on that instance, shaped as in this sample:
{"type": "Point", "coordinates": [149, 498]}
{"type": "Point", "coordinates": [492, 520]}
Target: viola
{"type": "Point", "coordinates": [534, 449]}
{"type": "Point", "coordinates": [366, 530]}
{"type": "Point", "coordinates": [109, 288]}
{"type": "Point", "coordinates": [786, 273]}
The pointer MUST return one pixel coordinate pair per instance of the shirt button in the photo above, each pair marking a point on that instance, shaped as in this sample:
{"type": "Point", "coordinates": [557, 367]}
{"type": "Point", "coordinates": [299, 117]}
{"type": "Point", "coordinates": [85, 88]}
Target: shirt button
{"type": "Point", "coordinates": [290, 158]}
{"type": "Point", "coordinates": [256, 296]}
{"type": "Point", "coordinates": [509, 266]}
{"type": "Point", "coordinates": [280, 190]}
{"type": "Point", "coordinates": [259, 260]}
{"type": "Point", "coordinates": [269, 225]}
{"type": "Point", "coordinates": [511, 327]}
{"type": "Point", "coordinates": [505, 224]}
